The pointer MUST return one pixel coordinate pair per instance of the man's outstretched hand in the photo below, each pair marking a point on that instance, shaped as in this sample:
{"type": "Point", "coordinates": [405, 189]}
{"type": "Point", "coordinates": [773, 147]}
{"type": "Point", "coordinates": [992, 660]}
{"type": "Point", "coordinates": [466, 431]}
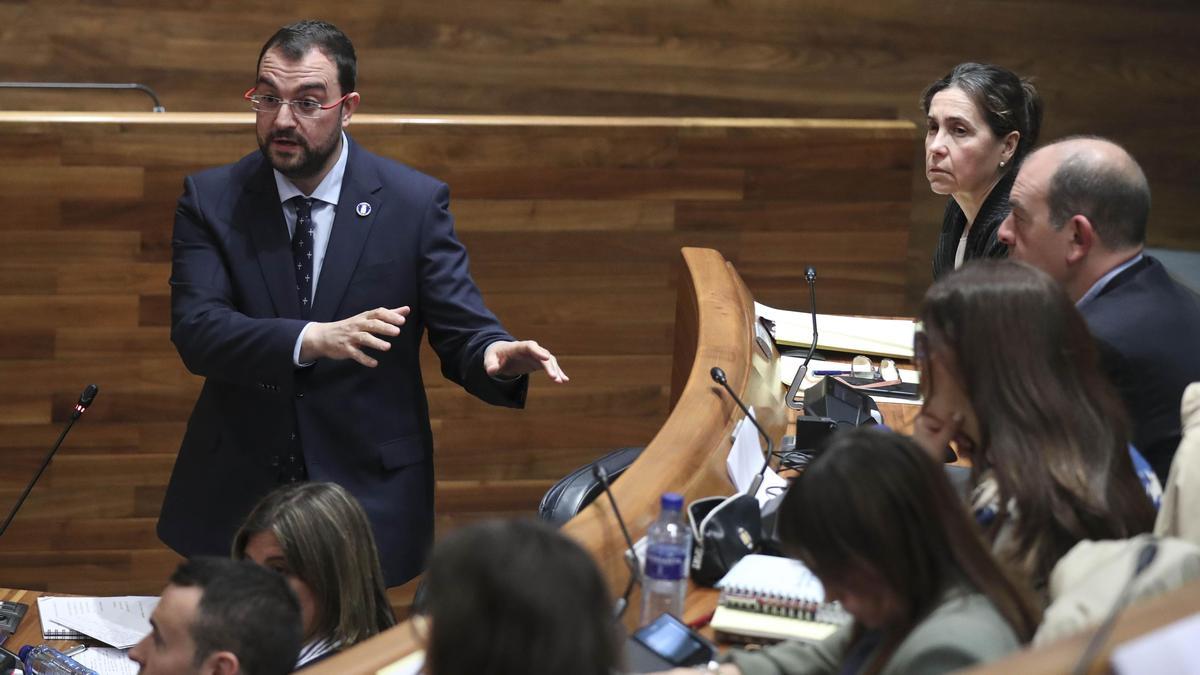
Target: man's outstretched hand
{"type": "Point", "coordinates": [346, 339]}
{"type": "Point", "coordinates": [513, 359]}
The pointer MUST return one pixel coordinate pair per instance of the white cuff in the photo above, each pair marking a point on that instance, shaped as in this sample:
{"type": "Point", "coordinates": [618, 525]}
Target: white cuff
{"type": "Point", "coordinates": [296, 349]}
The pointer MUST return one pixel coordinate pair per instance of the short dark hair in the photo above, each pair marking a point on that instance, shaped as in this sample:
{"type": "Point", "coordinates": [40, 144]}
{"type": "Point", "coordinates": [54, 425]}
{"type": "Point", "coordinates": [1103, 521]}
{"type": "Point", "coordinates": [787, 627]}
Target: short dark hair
{"type": "Point", "coordinates": [244, 609]}
{"type": "Point", "coordinates": [1114, 195]}
{"type": "Point", "coordinates": [297, 39]}
{"type": "Point", "coordinates": [875, 498]}
{"type": "Point", "coordinates": [517, 596]}
{"type": "Point", "coordinates": [1008, 102]}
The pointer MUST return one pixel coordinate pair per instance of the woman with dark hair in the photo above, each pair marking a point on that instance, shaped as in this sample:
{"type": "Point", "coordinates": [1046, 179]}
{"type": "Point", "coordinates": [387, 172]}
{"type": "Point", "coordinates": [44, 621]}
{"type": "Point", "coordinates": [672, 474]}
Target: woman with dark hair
{"type": "Point", "coordinates": [317, 536]}
{"type": "Point", "coordinates": [516, 598]}
{"type": "Point", "coordinates": [875, 518]}
{"type": "Point", "coordinates": [1009, 374]}
{"type": "Point", "coordinates": [981, 121]}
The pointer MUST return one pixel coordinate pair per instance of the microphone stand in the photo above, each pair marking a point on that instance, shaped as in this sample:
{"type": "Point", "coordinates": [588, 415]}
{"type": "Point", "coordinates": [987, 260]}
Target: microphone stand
{"type": "Point", "coordinates": [85, 400]}
{"type": "Point", "coordinates": [635, 573]}
{"type": "Point", "coordinates": [718, 376]}
{"type": "Point", "coordinates": [810, 275]}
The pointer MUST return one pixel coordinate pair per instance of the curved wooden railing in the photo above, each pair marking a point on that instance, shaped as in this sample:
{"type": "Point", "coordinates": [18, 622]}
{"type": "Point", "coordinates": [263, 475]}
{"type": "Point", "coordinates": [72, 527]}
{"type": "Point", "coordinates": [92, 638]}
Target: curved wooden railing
{"type": "Point", "coordinates": [714, 323]}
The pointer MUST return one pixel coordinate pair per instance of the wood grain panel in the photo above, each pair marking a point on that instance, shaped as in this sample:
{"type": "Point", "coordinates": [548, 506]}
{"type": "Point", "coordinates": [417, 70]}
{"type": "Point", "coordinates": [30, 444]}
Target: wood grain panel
{"type": "Point", "coordinates": [1113, 68]}
{"type": "Point", "coordinates": [574, 227]}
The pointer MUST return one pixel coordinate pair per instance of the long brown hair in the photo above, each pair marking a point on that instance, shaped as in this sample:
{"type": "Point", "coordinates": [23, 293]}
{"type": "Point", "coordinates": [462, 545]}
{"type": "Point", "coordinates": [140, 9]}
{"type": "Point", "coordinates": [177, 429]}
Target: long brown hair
{"type": "Point", "coordinates": [1052, 430]}
{"type": "Point", "coordinates": [875, 499]}
{"type": "Point", "coordinates": [327, 541]}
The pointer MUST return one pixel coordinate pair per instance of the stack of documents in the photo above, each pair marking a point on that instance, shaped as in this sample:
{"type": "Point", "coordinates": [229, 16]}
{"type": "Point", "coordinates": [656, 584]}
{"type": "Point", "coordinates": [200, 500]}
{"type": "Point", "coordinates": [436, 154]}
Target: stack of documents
{"type": "Point", "coordinates": [118, 621]}
{"type": "Point", "coordinates": [852, 334]}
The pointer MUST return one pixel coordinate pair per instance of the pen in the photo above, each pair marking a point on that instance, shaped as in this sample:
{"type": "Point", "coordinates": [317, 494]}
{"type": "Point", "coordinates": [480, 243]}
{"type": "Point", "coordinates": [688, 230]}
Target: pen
{"type": "Point", "coordinates": [75, 650]}
{"type": "Point", "coordinates": [836, 373]}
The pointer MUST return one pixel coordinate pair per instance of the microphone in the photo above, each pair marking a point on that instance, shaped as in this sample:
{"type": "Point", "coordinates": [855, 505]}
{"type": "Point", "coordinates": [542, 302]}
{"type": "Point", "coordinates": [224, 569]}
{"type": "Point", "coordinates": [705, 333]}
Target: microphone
{"type": "Point", "coordinates": [718, 376]}
{"type": "Point", "coordinates": [1145, 556]}
{"type": "Point", "coordinates": [635, 572]}
{"type": "Point", "coordinates": [810, 275]}
{"type": "Point", "coordinates": [85, 401]}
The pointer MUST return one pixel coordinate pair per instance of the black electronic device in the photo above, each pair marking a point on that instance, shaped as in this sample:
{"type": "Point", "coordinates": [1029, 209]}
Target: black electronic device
{"type": "Point", "coordinates": [839, 401]}
{"type": "Point", "coordinates": [10, 662]}
{"type": "Point", "coordinates": [11, 614]}
{"type": "Point", "coordinates": [675, 642]}
{"type": "Point", "coordinates": [811, 432]}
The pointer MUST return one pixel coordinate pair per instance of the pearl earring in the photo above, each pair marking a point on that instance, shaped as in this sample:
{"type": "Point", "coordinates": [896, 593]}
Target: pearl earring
{"type": "Point", "coordinates": [1001, 164]}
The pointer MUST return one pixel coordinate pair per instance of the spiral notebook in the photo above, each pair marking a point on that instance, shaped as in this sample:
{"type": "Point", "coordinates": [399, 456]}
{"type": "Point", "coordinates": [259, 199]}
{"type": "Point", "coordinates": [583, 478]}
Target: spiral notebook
{"type": "Point", "coordinates": [768, 598]}
{"type": "Point", "coordinates": [119, 621]}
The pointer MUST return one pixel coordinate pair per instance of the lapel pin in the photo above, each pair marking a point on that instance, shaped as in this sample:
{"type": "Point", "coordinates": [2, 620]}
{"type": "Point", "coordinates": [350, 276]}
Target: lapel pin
{"type": "Point", "coordinates": [363, 209]}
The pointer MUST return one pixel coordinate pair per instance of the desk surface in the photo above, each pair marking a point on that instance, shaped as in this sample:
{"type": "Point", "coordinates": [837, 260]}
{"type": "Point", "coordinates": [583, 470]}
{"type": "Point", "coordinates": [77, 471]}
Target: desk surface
{"type": "Point", "coordinates": [30, 630]}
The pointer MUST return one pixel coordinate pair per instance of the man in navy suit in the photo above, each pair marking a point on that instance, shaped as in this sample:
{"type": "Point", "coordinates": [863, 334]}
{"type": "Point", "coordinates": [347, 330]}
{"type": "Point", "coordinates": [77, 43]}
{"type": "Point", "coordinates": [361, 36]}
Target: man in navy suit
{"type": "Point", "coordinates": [302, 279]}
{"type": "Point", "coordinates": [1079, 212]}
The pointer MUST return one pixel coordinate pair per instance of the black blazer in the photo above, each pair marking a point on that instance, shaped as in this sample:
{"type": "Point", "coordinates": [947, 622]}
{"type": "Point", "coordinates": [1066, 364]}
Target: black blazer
{"type": "Point", "coordinates": [235, 320]}
{"type": "Point", "coordinates": [982, 241]}
{"type": "Point", "coordinates": [1147, 327]}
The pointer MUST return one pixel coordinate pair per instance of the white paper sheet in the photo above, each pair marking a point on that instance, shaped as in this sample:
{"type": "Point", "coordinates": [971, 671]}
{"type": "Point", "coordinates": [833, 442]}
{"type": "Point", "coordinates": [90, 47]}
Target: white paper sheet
{"type": "Point", "coordinates": [853, 334]}
{"type": "Point", "coordinates": [409, 665]}
{"type": "Point", "coordinates": [746, 458]}
{"type": "Point", "coordinates": [118, 621]}
{"type": "Point", "coordinates": [1170, 650]}
{"type": "Point", "coordinates": [107, 661]}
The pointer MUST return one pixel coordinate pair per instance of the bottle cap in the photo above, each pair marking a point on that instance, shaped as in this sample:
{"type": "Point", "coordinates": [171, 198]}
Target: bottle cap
{"type": "Point", "coordinates": [24, 652]}
{"type": "Point", "coordinates": [672, 501]}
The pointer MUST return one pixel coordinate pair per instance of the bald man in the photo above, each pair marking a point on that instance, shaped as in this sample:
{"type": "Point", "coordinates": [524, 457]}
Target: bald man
{"type": "Point", "coordinates": [1079, 212]}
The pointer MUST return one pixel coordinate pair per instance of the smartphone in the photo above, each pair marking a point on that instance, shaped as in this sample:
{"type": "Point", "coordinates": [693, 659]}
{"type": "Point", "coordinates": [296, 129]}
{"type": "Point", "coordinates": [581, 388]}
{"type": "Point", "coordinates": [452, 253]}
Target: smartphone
{"type": "Point", "coordinates": [674, 642]}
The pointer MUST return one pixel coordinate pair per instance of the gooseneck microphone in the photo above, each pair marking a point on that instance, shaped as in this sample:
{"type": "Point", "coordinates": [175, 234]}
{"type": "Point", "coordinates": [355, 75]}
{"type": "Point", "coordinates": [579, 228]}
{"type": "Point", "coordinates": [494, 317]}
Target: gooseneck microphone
{"type": "Point", "coordinates": [85, 401]}
{"type": "Point", "coordinates": [810, 275]}
{"type": "Point", "coordinates": [1145, 556]}
{"type": "Point", "coordinates": [635, 572]}
{"type": "Point", "coordinates": [718, 376]}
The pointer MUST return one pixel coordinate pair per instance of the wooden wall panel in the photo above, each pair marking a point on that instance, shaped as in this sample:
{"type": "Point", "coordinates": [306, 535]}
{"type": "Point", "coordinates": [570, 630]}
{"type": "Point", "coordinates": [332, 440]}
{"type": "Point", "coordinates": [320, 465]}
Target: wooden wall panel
{"type": "Point", "coordinates": [574, 228]}
{"type": "Point", "coordinates": [1110, 67]}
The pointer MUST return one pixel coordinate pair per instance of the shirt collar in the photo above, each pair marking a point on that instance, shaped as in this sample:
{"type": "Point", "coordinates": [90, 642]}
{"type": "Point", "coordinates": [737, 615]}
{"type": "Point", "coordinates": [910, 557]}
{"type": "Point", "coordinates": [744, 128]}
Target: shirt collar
{"type": "Point", "coordinates": [330, 187]}
{"type": "Point", "coordinates": [315, 649]}
{"type": "Point", "coordinates": [1103, 281]}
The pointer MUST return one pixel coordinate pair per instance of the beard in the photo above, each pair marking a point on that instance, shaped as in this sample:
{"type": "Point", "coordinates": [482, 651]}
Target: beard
{"type": "Point", "coordinates": [307, 161]}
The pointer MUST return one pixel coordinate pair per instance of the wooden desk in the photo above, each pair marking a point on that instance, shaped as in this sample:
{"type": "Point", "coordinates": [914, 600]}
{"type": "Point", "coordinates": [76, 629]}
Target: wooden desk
{"type": "Point", "coordinates": [30, 630]}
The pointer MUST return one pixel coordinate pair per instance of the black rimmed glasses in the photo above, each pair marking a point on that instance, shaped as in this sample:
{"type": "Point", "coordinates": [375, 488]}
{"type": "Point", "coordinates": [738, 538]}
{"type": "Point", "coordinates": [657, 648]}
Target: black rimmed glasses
{"type": "Point", "coordinates": [301, 107]}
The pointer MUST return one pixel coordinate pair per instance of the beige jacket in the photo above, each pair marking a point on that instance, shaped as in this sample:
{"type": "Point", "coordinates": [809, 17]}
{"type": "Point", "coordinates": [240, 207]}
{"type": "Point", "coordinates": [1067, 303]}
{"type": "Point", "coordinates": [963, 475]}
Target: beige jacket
{"type": "Point", "coordinates": [1087, 581]}
{"type": "Point", "coordinates": [1179, 515]}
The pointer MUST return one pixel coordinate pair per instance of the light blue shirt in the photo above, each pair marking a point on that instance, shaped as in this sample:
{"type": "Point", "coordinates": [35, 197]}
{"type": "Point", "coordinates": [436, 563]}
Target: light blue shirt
{"type": "Point", "coordinates": [1103, 281]}
{"type": "Point", "coordinates": [324, 207]}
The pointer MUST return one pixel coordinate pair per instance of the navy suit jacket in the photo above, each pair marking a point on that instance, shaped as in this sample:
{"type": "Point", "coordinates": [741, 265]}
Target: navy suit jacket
{"type": "Point", "coordinates": [1147, 328]}
{"type": "Point", "coordinates": [235, 318]}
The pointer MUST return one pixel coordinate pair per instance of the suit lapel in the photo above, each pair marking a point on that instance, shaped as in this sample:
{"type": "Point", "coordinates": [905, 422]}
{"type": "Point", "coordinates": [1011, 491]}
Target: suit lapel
{"type": "Point", "coordinates": [261, 209]}
{"type": "Point", "coordinates": [360, 185]}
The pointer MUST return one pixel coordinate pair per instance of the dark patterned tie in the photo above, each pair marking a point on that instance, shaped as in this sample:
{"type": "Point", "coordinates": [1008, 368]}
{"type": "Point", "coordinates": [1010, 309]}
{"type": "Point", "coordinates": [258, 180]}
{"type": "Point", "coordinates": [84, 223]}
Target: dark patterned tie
{"type": "Point", "coordinates": [302, 253]}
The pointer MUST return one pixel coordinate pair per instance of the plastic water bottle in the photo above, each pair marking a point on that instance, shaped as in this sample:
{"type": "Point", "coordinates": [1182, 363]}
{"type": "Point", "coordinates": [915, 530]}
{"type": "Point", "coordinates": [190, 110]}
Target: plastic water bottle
{"type": "Point", "coordinates": [44, 660]}
{"type": "Point", "coordinates": [668, 548]}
